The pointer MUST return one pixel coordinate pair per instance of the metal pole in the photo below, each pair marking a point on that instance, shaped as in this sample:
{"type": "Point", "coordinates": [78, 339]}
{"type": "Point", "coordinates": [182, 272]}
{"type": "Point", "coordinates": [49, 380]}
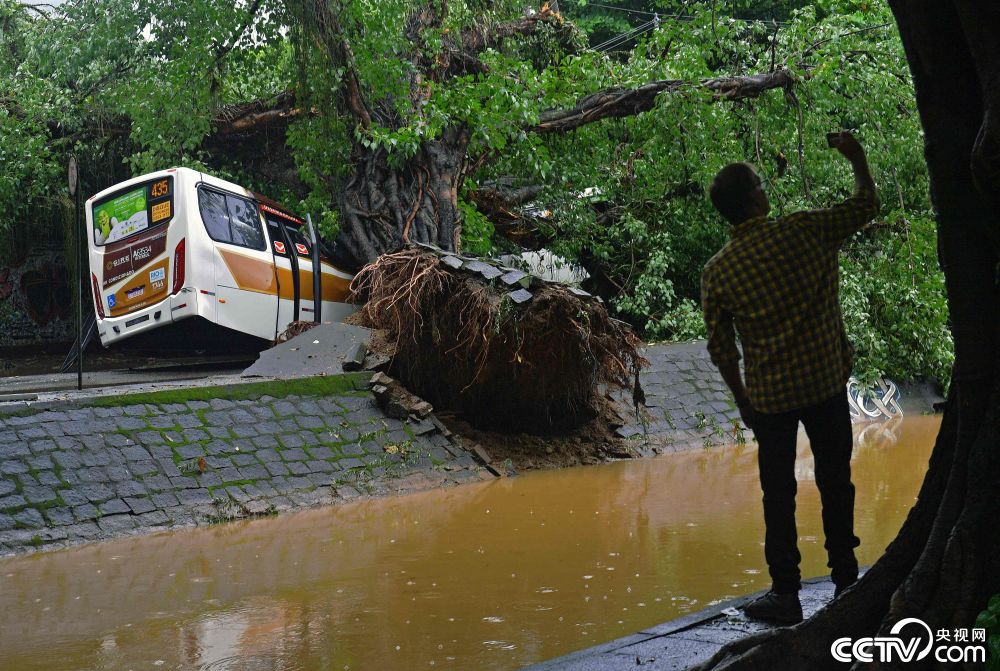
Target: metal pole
{"type": "Point", "coordinates": [81, 280]}
{"type": "Point", "coordinates": [317, 273]}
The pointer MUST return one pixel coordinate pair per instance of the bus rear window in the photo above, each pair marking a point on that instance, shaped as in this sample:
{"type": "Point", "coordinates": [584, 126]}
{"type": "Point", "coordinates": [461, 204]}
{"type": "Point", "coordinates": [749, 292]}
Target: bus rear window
{"type": "Point", "coordinates": [132, 210]}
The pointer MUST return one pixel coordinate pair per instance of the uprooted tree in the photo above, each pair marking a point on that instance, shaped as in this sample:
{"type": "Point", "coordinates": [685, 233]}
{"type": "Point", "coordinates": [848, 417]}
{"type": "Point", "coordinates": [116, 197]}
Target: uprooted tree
{"type": "Point", "coordinates": [513, 353]}
{"type": "Point", "coordinates": [439, 121]}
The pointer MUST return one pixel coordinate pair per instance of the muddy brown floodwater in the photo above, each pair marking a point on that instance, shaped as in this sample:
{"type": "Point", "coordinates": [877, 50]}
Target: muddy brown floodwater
{"type": "Point", "coordinates": [485, 576]}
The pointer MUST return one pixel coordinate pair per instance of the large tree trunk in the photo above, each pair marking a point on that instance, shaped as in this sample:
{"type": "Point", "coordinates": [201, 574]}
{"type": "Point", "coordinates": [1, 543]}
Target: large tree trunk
{"type": "Point", "coordinates": [944, 564]}
{"type": "Point", "coordinates": [383, 208]}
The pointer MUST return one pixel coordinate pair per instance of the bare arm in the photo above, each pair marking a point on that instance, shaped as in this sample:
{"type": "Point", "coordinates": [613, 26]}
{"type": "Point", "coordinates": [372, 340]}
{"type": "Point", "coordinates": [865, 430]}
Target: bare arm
{"type": "Point", "coordinates": [734, 380]}
{"type": "Point", "coordinates": [722, 348]}
{"type": "Point", "coordinates": [851, 149]}
{"type": "Point", "coordinates": [835, 224]}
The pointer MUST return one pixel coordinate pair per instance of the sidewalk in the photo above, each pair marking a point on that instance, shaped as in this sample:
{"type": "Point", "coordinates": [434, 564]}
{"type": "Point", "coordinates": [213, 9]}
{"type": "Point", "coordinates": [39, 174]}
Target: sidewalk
{"type": "Point", "coordinates": [685, 642]}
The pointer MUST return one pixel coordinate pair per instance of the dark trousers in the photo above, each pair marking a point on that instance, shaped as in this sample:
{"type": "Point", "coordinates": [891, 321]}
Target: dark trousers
{"type": "Point", "coordinates": [828, 425]}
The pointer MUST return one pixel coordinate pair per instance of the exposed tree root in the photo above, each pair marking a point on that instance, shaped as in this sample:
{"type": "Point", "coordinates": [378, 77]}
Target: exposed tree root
{"type": "Point", "coordinates": [294, 329]}
{"type": "Point", "coordinates": [463, 343]}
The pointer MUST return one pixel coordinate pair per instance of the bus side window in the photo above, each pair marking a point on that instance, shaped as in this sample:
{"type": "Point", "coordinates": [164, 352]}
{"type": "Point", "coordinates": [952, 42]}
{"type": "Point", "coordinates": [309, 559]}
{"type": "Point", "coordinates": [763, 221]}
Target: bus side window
{"type": "Point", "coordinates": [277, 241]}
{"type": "Point", "coordinates": [302, 247]}
{"type": "Point", "coordinates": [215, 215]}
{"type": "Point", "coordinates": [247, 231]}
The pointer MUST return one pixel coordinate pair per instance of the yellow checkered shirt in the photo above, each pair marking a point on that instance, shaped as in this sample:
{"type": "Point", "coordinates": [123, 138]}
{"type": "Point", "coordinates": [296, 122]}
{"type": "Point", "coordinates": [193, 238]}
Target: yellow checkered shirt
{"type": "Point", "coordinates": [778, 281]}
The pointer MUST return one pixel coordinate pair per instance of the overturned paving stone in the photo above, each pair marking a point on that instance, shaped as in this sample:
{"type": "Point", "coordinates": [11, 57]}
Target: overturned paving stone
{"type": "Point", "coordinates": [396, 400]}
{"type": "Point", "coordinates": [321, 350]}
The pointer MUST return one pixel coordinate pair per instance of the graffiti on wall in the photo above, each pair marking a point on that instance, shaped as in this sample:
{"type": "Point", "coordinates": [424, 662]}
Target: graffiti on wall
{"type": "Point", "coordinates": [35, 300]}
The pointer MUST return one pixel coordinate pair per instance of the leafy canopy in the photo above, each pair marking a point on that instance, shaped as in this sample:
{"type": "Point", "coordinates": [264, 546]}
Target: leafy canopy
{"type": "Point", "coordinates": [135, 85]}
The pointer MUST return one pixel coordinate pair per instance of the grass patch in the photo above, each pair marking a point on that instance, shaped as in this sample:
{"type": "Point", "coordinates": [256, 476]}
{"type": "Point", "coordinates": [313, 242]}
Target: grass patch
{"type": "Point", "coordinates": [231, 483]}
{"type": "Point", "coordinates": [335, 385]}
{"type": "Point", "coordinates": [19, 412]}
{"type": "Point", "coordinates": [57, 502]}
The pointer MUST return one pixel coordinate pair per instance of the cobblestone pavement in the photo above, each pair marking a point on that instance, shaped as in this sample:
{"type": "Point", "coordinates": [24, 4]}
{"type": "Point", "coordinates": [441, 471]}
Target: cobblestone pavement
{"type": "Point", "coordinates": [81, 473]}
{"type": "Point", "coordinates": [688, 403]}
{"type": "Point", "coordinates": [71, 473]}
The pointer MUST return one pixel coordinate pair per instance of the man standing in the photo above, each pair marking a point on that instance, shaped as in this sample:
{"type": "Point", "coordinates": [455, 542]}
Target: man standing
{"type": "Point", "coordinates": [777, 281]}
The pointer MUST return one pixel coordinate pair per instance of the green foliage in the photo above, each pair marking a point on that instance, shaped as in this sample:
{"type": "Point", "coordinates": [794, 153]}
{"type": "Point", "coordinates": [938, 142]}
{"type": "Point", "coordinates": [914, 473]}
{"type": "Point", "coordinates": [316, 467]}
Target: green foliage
{"type": "Point", "coordinates": [477, 230]}
{"type": "Point", "coordinates": [122, 81]}
{"type": "Point", "coordinates": [656, 228]}
{"type": "Point", "coordinates": [135, 85]}
{"type": "Point", "coordinates": [895, 309]}
{"type": "Point", "coordinates": [989, 620]}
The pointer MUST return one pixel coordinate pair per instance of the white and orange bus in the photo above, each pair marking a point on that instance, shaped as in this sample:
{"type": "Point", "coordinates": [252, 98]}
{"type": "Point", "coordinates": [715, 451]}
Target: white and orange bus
{"type": "Point", "coordinates": [179, 243]}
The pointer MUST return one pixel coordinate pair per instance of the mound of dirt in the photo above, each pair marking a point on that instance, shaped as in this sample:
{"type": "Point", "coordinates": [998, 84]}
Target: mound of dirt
{"type": "Point", "coordinates": [492, 344]}
{"type": "Point", "coordinates": [593, 442]}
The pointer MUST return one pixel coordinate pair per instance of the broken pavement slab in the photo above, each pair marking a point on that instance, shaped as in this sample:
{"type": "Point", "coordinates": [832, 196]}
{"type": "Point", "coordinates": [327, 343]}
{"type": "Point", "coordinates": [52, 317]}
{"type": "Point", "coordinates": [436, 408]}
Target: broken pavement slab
{"type": "Point", "coordinates": [396, 400]}
{"type": "Point", "coordinates": [518, 277]}
{"type": "Point", "coordinates": [354, 360]}
{"type": "Point", "coordinates": [322, 350]}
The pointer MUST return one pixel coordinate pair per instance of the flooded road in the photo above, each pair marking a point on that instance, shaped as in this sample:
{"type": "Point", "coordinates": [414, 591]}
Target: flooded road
{"type": "Point", "coordinates": [494, 575]}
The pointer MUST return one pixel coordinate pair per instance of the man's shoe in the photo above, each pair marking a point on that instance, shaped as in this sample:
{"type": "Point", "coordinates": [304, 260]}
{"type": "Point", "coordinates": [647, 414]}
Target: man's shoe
{"type": "Point", "coordinates": [774, 607]}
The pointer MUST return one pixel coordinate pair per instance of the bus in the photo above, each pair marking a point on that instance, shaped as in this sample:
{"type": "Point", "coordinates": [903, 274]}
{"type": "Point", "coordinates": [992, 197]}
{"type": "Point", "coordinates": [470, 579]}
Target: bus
{"type": "Point", "coordinates": [179, 244]}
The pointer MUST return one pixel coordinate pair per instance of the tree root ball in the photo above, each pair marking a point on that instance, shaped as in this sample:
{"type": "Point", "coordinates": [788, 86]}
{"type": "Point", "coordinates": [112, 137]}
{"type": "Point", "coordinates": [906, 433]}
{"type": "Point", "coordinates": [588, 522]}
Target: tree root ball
{"type": "Point", "coordinates": [463, 343]}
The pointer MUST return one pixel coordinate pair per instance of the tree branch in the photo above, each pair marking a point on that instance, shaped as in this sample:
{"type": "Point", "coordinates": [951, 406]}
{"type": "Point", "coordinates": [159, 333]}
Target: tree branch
{"type": "Point", "coordinates": [333, 39]}
{"type": "Point", "coordinates": [254, 116]}
{"type": "Point", "coordinates": [223, 49]}
{"type": "Point", "coordinates": [462, 52]}
{"type": "Point", "coordinates": [617, 102]}
{"type": "Point", "coordinates": [476, 39]}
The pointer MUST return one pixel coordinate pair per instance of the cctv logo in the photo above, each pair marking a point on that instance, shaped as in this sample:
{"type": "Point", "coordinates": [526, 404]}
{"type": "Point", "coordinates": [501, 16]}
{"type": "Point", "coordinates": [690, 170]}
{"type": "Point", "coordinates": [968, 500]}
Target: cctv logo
{"type": "Point", "coordinates": [888, 649]}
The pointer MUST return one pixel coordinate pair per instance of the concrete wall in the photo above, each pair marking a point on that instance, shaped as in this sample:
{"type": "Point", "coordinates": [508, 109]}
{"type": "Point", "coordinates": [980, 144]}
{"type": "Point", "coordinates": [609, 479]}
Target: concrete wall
{"type": "Point", "coordinates": [35, 298]}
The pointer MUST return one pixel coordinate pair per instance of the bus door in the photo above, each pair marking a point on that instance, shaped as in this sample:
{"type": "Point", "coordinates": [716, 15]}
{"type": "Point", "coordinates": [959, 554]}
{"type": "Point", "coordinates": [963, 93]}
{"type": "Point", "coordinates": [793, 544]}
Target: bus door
{"type": "Point", "coordinates": [245, 290]}
{"type": "Point", "coordinates": [303, 250]}
{"type": "Point", "coordinates": [286, 267]}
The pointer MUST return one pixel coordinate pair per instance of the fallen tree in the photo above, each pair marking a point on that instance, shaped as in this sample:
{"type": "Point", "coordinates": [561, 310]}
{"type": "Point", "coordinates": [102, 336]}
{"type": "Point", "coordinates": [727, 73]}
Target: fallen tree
{"type": "Point", "coordinates": [389, 198]}
{"type": "Point", "coordinates": [503, 348]}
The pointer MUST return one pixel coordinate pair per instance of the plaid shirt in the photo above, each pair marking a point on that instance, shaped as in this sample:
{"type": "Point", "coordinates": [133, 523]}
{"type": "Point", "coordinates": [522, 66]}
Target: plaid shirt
{"type": "Point", "coordinates": [778, 280]}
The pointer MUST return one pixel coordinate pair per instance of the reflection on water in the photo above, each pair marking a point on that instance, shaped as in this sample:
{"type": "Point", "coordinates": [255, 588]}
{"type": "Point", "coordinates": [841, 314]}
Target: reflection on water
{"type": "Point", "coordinates": [485, 576]}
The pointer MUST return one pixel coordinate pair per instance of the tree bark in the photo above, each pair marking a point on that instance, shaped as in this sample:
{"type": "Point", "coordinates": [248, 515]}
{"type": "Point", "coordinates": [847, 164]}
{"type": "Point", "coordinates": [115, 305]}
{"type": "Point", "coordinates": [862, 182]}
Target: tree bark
{"type": "Point", "coordinates": [619, 102]}
{"type": "Point", "coordinates": [383, 208]}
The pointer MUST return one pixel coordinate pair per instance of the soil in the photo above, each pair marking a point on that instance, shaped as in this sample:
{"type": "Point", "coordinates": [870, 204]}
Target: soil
{"type": "Point", "coordinates": [594, 442]}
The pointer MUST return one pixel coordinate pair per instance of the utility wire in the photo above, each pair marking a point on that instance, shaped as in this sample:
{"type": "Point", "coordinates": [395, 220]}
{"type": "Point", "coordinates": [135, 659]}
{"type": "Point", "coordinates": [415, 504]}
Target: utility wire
{"type": "Point", "coordinates": [678, 16]}
{"type": "Point", "coordinates": [625, 37]}
{"type": "Point", "coordinates": [621, 9]}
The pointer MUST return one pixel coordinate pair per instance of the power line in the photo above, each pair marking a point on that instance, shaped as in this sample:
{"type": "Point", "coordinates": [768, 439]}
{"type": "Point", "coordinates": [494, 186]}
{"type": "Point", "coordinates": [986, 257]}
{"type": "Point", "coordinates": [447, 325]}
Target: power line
{"type": "Point", "coordinates": [621, 9]}
{"type": "Point", "coordinates": [677, 16]}
{"type": "Point", "coordinates": [625, 37]}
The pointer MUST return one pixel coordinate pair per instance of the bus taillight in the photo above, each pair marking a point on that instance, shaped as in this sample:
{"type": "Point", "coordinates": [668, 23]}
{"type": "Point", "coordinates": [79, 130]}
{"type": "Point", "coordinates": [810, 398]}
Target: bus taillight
{"type": "Point", "coordinates": [97, 297]}
{"type": "Point", "coordinates": [178, 266]}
